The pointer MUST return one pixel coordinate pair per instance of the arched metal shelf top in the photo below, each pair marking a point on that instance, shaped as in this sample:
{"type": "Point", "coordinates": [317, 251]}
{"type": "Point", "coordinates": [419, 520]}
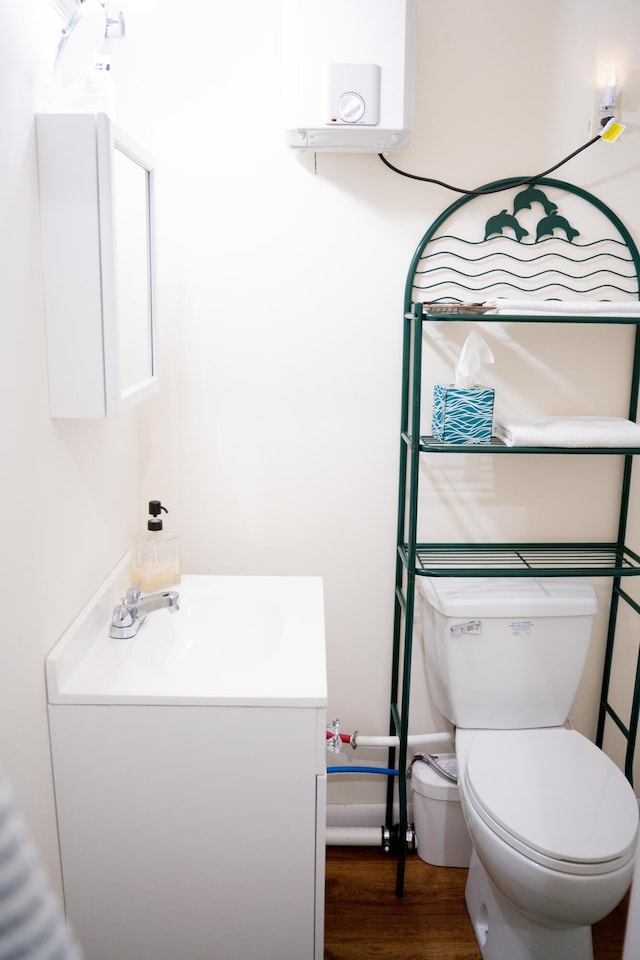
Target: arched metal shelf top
{"type": "Point", "coordinates": [560, 263]}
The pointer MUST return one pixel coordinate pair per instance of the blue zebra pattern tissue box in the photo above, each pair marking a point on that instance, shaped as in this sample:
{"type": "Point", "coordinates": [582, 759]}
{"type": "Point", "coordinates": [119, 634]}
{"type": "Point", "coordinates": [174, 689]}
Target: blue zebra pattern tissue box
{"type": "Point", "coordinates": [462, 414]}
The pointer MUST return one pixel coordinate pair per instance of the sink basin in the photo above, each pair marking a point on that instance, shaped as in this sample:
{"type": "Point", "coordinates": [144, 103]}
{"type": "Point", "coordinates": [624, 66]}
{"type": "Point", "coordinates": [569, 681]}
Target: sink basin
{"type": "Point", "coordinates": [218, 628]}
{"type": "Point", "coordinates": [234, 640]}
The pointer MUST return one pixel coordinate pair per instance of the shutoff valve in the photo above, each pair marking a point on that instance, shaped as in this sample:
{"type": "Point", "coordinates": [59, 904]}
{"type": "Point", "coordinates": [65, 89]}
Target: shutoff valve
{"type": "Point", "coordinates": [334, 743]}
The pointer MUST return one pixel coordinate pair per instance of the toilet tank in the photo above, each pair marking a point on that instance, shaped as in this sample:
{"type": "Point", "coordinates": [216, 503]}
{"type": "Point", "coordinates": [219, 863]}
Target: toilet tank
{"type": "Point", "coordinates": [505, 653]}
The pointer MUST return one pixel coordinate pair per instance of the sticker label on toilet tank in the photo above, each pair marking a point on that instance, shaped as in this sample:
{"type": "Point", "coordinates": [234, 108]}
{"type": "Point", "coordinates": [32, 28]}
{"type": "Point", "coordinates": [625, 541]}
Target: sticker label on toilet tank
{"type": "Point", "coordinates": [521, 628]}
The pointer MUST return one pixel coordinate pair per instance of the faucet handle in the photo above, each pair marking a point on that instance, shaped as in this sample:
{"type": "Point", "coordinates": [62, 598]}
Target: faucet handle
{"type": "Point", "coordinates": [121, 616]}
{"type": "Point", "coordinates": [133, 594]}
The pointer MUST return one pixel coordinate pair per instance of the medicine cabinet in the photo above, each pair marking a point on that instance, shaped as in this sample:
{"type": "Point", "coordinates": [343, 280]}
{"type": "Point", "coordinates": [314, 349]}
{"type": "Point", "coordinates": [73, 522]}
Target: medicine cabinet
{"type": "Point", "coordinates": [97, 217]}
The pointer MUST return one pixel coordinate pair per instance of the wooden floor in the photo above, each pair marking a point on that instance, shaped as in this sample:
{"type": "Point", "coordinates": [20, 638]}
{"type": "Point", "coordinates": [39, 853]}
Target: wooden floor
{"type": "Point", "coordinates": [364, 920]}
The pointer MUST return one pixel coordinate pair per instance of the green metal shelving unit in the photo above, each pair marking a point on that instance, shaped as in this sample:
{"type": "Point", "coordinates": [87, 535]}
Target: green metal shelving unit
{"type": "Point", "coordinates": [460, 267]}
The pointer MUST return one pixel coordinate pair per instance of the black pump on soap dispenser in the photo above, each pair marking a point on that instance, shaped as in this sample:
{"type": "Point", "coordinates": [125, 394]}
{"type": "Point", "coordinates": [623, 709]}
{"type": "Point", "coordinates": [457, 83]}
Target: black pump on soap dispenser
{"type": "Point", "coordinates": [155, 555]}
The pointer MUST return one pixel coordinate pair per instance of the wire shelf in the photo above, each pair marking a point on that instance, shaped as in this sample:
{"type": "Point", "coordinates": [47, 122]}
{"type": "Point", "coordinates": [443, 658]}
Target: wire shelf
{"type": "Point", "coordinates": [529, 318]}
{"type": "Point", "coordinates": [429, 444]}
{"type": "Point", "coordinates": [523, 560]}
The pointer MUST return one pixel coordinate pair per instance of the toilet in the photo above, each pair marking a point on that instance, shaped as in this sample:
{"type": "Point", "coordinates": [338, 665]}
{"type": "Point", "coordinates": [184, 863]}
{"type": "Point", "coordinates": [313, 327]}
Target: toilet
{"type": "Point", "coordinates": [553, 821]}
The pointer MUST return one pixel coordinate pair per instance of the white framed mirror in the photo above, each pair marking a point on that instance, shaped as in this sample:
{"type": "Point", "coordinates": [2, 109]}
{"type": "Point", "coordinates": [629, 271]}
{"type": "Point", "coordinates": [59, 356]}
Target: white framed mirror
{"type": "Point", "coordinates": [97, 205]}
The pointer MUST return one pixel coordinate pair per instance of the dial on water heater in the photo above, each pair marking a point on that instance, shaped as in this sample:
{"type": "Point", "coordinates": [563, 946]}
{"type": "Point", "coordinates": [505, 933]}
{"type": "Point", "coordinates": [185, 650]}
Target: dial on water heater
{"type": "Point", "coordinates": [351, 93]}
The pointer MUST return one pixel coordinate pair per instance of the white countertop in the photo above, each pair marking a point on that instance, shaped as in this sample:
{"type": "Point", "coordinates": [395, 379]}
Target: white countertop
{"type": "Point", "coordinates": [235, 641]}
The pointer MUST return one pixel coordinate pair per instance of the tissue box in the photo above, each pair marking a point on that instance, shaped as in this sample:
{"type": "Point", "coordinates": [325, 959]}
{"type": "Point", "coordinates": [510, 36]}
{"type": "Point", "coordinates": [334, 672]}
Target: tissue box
{"type": "Point", "coordinates": [462, 414]}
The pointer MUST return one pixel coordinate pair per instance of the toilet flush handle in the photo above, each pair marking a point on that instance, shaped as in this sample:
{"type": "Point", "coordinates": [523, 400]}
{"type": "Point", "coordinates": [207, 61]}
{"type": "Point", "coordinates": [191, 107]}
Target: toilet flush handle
{"type": "Point", "coordinates": [473, 627]}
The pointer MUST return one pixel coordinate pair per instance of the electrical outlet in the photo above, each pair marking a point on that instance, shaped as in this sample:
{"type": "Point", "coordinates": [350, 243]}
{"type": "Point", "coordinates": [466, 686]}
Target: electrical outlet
{"type": "Point", "coordinates": [603, 110]}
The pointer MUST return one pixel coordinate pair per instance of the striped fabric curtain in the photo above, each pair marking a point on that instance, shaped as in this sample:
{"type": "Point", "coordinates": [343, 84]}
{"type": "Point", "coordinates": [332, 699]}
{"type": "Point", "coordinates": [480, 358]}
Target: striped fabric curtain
{"type": "Point", "coordinates": [32, 924]}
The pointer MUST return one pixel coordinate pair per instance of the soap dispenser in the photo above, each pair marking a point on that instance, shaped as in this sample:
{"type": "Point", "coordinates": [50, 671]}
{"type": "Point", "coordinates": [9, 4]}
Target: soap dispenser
{"type": "Point", "coordinates": [155, 555]}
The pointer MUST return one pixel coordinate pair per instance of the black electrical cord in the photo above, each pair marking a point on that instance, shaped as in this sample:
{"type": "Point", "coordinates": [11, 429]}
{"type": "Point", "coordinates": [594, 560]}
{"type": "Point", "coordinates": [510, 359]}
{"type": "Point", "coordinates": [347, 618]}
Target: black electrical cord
{"type": "Point", "coordinates": [508, 186]}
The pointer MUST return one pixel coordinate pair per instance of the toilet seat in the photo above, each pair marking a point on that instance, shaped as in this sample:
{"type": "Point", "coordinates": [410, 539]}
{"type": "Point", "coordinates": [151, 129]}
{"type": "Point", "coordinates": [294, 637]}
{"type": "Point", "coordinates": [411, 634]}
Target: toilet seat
{"type": "Point", "coordinates": [554, 797]}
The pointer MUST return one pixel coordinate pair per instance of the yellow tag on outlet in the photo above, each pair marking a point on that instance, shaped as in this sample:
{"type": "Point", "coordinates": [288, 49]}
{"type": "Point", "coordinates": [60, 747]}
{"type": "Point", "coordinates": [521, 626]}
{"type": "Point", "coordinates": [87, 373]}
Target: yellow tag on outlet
{"type": "Point", "coordinates": [612, 131]}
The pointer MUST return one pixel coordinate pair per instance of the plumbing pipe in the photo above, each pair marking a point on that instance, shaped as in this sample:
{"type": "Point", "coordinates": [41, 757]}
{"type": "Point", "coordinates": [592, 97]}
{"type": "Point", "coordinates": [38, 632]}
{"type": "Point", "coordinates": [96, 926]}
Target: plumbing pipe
{"type": "Point", "coordinates": [385, 771]}
{"type": "Point", "coordinates": [355, 836]}
{"type": "Point", "coordinates": [385, 837]}
{"type": "Point", "coordinates": [335, 739]}
{"type": "Point", "coordinates": [413, 740]}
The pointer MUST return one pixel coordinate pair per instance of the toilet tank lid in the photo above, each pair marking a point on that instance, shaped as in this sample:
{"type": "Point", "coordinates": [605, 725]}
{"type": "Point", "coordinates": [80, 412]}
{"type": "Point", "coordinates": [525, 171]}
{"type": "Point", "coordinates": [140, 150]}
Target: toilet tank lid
{"type": "Point", "coordinates": [509, 596]}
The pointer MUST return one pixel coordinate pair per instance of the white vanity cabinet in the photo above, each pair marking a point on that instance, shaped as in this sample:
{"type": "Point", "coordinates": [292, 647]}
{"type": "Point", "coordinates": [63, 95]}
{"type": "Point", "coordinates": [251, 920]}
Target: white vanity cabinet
{"type": "Point", "coordinates": [191, 822]}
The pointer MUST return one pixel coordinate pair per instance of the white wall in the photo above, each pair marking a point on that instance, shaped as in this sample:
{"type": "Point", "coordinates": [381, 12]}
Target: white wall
{"type": "Point", "coordinates": [274, 438]}
{"type": "Point", "coordinates": [282, 286]}
{"type": "Point", "coordinates": [70, 490]}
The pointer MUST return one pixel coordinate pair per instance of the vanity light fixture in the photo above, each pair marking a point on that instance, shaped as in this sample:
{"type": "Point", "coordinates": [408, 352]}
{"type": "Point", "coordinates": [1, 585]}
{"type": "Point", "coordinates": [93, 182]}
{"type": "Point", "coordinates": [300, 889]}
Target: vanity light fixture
{"type": "Point", "coordinates": [81, 39]}
{"type": "Point", "coordinates": [88, 24]}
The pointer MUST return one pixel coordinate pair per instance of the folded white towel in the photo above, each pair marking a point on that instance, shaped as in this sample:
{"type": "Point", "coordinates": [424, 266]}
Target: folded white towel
{"type": "Point", "coordinates": [568, 432]}
{"type": "Point", "coordinates": [600, 308]}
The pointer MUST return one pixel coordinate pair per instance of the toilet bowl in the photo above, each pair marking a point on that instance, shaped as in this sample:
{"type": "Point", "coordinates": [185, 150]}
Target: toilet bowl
{"type": "Point", "coordinates": [553, 822]}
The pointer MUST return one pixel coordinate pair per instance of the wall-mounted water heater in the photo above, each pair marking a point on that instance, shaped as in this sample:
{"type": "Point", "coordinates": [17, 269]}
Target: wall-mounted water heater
{"type": "Point", "coordinates": [349, 74]}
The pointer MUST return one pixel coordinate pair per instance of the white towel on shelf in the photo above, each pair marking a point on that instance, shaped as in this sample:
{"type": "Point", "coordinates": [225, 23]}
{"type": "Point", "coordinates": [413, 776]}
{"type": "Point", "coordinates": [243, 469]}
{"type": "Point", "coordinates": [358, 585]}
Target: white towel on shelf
{"type": "Point", "coordinates": [568, 432]}
{"type": "Point", "coordinates": [578, 308]}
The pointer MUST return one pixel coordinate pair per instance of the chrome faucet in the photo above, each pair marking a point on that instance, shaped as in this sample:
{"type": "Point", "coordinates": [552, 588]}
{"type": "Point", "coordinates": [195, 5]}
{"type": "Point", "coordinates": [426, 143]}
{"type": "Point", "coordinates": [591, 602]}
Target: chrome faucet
{"type": "Point", "coordinates": [131, 612]}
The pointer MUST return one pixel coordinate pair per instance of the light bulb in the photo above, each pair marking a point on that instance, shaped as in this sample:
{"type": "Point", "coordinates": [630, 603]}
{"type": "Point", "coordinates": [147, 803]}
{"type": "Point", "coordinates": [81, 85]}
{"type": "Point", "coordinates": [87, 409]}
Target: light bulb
{"type": "Point", "coordinates": [610, 92]}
